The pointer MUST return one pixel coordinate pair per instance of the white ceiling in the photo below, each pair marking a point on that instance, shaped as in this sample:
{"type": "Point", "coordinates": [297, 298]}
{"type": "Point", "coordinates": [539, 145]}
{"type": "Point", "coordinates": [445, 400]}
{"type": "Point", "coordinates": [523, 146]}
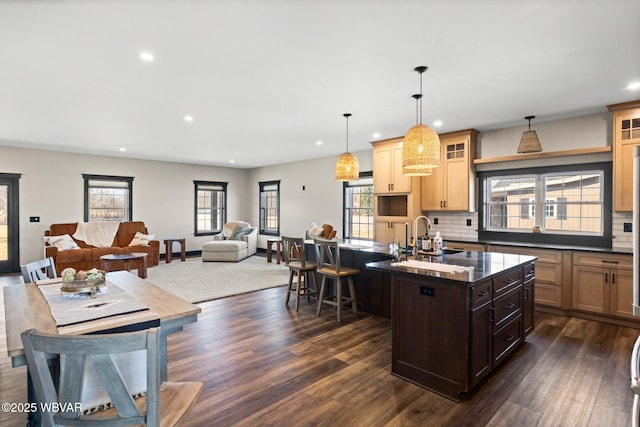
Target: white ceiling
{"type": "Point", "coordinates": [264, 80]}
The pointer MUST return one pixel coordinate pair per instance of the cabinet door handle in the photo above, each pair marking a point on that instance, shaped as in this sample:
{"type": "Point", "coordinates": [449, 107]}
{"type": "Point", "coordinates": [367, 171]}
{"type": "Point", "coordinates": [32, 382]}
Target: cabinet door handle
{"type": "Point", "coordinates": [445, 203]}
{"type": "Point", "coordinates": [613, 278]}
{"type": "Point", "coordinates": [526, 293]}
{"type": "Point", "coordinates": [509, 306]}
{"type": "Point", "coordinates": [608, 261]}
{"type": "Point", "coordinates": [493, 315]}
{"type": "Point", "coordinates": [509, 338]}
{"type": "Point", "coordinates": [606, 277]}
{"type": "Point", "coordinates": [510, 282]}
{"type": "Point", "coordinates": [483, 293]}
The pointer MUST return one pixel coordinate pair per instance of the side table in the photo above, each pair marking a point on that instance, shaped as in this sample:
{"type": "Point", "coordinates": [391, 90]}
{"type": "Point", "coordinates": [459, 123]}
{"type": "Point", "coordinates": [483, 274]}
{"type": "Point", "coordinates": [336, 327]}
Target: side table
{"type": "Point", "coordinates": [112, 262]}
{"type": "Point", "coordinates": [168, 249]}
{"type": "Point", "coordinates": [278, 243]}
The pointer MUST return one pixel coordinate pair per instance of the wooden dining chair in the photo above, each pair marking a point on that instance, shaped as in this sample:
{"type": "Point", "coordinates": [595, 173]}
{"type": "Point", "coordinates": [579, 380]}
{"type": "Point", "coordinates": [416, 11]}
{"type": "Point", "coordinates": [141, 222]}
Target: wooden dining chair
{"type": "Point", "coordinates": [294, 258]}
{"type": "Point", "coordinates": [328, 259]}
{"type": "Point", "coordinates": [38, 270]}
{"type": "Point", "coordinates": [164, 404]}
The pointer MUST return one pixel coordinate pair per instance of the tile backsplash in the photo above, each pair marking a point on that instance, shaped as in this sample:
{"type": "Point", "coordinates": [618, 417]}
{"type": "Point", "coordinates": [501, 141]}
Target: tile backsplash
{"type": "Point", "coordinates": [453, 226]}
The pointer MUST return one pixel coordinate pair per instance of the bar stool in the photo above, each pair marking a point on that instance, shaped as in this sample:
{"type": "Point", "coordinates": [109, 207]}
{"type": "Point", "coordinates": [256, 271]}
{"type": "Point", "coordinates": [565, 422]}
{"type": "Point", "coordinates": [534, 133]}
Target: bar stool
{"type": "Point", "coordinates": [328, 258]}
{"type": "Point", "coordinates": [293, 253]}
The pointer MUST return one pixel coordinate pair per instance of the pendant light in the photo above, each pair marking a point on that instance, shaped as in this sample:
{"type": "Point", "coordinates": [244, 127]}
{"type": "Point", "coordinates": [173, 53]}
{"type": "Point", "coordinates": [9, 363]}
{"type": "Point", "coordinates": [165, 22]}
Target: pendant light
{"type": "Point", "coordinates": [347, 167]}
{"type": "Point", "coordinates": [529, 143]}
{"type": "Point", "coordinates": [421, 144]}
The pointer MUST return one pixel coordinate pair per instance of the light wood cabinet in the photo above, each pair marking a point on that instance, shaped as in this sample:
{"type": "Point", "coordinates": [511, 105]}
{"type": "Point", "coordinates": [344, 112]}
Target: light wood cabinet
{"type": "Point", "coordinates": [387, 167]}
{"type": "Point", "coordinates": [390, 231]}
{"type": "Point", "coordinates": [396, 198]}
{"type": "Point", "coordinates": [603, 283]}
{"type": "Point", "coordinates": [553, 268]}
{"type": "Point", "coordinates": [451, 186]}
{"type": "Point", "coordinates": [626, 135]}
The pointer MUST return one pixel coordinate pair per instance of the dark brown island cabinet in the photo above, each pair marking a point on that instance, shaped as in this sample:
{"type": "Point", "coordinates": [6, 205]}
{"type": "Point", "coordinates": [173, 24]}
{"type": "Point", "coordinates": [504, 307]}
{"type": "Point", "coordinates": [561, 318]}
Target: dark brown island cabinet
{"type": "Point", "coordinates": [452, 329]}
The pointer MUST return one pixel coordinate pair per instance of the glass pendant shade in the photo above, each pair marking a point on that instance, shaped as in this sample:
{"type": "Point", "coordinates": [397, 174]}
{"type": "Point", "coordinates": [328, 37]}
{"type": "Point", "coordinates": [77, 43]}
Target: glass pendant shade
{"type": "Point", "coordinates": [420, 151]}
{"type": "Point", "coordinates": [347, 167]}
{"type": "Point", "coordinates": [529, 143]}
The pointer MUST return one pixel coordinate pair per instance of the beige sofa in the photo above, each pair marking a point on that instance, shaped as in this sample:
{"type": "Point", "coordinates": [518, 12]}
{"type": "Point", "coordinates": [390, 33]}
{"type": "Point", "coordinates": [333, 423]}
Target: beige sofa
{"type": "Point", "coordinates": [237, 241]}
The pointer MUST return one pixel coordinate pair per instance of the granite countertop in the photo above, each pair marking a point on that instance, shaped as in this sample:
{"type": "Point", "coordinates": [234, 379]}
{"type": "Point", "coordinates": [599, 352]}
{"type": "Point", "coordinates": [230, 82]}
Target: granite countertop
{"type": "Point", "coordinates": [464, 267]}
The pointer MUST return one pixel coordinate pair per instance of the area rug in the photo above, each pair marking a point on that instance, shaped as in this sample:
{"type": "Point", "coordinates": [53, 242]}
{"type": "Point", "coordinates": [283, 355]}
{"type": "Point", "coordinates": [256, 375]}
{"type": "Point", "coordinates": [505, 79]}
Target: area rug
{"type": "Point", "coordinates": [197, 281]}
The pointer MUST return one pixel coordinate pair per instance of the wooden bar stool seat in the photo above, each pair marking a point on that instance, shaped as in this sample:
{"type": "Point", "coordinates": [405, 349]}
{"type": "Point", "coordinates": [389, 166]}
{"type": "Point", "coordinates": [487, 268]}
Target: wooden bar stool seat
{"type": "Point", "coordinates": [293, 253]}
{"type": "Point", "coordinates": [328, 258]}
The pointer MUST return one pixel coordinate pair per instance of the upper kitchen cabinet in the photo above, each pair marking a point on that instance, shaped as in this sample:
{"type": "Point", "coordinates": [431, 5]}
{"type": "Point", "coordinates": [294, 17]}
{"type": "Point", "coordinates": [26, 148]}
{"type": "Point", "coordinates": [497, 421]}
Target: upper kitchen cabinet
{"type": "Point", "coordinates": [387, 167]}
{"type": "Point", "coordinates": [451, 186]}
{"type": "Point", "coordinates": [626, 135]}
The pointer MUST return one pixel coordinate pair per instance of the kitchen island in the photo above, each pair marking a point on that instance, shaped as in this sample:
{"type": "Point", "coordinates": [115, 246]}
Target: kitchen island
{"type": "Point", "coordinates": [457, 317]}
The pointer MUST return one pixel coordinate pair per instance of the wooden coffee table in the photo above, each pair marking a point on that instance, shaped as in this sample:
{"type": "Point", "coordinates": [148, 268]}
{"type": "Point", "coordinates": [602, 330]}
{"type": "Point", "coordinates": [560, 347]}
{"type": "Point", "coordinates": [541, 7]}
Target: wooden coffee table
{"type": "Point", "coordinates": [137, 259]}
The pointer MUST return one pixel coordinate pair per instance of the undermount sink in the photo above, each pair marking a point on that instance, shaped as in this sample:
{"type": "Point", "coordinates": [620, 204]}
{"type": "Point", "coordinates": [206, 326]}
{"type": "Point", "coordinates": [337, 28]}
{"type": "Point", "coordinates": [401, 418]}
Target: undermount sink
{"type": "Point", "coordinates": [452, 251]}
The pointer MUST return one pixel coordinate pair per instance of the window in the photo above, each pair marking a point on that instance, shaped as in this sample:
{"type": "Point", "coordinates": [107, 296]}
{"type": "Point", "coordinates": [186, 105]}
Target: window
{"type": "Point", "coordinates": [358, 208]}
{"type": "Point", "coordinates": [270, 208]}
{"type": "Point", "coordinates": [107, 198]}
{"type": "Point", "coordinates": [210, 207]}
{"type": "Point", "coordinates": [564, 201]}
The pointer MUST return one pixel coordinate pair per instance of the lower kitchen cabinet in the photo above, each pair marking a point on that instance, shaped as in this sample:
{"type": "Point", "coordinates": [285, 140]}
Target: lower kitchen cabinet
{"type": "Point", "coordinates": [449, 337]}
{"type": "Point", "coordinates": [603, 284]}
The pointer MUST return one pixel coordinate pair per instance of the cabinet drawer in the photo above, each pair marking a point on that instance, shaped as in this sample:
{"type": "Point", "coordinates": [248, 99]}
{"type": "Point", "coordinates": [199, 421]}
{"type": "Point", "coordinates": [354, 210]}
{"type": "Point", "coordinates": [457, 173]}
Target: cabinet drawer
{"type": "Point", "coordinates": [544, 255]}
{"type": "Point", "coordinates": [507, 306]}
{"type": "Point", "coordinates": [507, 339]}
{"type": "Point", "coordinates": [603, 260]}
{"type": "Point", "coordinates": [549, 273]}
{"type": "Point", "coordinates": [481, 294]}
{"type": "Point", "coordinates": [546, 294]}
{"type": "Point", "coordinates": [505, 281]}
{"type": "Point", "coordinates": [529, 272]}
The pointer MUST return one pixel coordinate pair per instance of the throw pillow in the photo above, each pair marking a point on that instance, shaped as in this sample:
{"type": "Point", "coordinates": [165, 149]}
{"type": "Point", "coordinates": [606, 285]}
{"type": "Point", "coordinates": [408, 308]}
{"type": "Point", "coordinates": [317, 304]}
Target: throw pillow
{"type": "Point", "coordinates": [314, 230]}
{"type": "Point", "coordinates": [63, 243]}
{"type": "Point", "coordinates": [141, 239]}
{"type": "Point", "coordinates": [240, 231]}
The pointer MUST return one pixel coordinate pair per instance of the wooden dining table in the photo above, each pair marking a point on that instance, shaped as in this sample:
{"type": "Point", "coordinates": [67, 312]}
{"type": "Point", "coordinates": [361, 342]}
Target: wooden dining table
{"type": "Point", "coordinates": [26, 308]}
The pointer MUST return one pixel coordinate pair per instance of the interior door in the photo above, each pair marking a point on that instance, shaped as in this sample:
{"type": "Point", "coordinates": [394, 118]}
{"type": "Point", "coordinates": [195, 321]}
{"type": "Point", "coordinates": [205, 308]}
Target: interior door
{"type": "Point", "coordinates": [9, 230]}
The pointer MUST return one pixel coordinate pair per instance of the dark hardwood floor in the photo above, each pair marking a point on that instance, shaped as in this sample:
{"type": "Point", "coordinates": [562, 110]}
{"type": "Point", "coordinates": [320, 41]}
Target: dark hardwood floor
{"type": "Point", "coordinates": [264, 364]}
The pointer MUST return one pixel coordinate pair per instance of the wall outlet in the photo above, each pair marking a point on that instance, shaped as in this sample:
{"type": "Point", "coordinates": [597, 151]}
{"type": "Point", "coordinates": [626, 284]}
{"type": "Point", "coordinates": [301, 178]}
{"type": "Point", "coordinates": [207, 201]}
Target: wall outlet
{"type": "Point", "coordinates": [435, 221]}
{"type": "Point", "coordinates": [469, 222]}
{"type": "Point", "coordinates": [627, 227]}
{"type": "Point", "coordinates": [34, 219]}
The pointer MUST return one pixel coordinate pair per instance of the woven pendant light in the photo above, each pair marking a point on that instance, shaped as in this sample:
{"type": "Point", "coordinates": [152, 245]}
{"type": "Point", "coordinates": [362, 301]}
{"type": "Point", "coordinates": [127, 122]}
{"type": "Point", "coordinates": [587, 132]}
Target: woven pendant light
{"type": "Point", "coordinates": [421, 144]}
{"type": "Point", "coordinates": [529, 143]}
{"type": "Point", "coordinates": [347, 167]}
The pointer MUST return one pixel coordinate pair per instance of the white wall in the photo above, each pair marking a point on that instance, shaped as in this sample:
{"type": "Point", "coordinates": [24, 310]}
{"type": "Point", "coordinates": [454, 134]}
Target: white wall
{"type": "Point", "coordinates": [319, 202]}
{"type": "Point", "coordinates": [52, 188]}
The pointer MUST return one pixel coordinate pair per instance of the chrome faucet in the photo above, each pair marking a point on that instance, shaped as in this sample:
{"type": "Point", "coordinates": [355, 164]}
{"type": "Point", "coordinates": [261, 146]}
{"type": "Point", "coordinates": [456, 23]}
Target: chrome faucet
{"type": "Point", "coordinates": [415, 231]}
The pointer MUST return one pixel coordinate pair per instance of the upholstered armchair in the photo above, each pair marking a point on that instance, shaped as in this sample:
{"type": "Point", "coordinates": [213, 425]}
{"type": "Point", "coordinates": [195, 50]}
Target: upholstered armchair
{"type": "Point", "coordinates": [237, 241]}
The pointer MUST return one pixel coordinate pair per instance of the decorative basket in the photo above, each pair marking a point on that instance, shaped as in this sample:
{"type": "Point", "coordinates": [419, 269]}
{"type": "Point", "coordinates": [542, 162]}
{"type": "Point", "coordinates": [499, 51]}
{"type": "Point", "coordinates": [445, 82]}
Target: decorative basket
{"type": "Point", "coordinates": [83, 286]}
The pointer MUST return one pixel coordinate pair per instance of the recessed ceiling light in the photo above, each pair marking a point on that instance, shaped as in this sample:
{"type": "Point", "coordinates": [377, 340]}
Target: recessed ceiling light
{"type": "Point", "coordinates": [188, 118]}
{"type": "Point", "coordinates": [633, 86]}
{"type": "Point", "coordinates": [437, 123]}
{"type": "Point", "coordinates": [318, 142]}
{"type": "Point", "coordinates": [123, 149]}
{"type": "Point", "coordinates": [146, 56]}
{"type": "Point", "coordinates": [376, 135]}
{"type": "Point", "coordinates": [232, 161]}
